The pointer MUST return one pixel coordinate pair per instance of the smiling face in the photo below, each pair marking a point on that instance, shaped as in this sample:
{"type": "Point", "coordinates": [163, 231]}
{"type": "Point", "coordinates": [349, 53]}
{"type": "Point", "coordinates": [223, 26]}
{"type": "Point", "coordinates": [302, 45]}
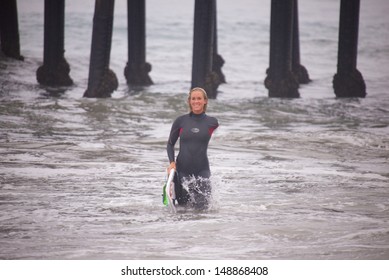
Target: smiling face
{"type": "Point", "coordinates": [197, 101]}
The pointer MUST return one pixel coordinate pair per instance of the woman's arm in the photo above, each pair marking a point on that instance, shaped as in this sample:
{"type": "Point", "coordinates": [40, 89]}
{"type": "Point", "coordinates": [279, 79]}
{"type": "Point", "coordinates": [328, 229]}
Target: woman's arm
{"type": "Point", "coordinates": [173, 137]}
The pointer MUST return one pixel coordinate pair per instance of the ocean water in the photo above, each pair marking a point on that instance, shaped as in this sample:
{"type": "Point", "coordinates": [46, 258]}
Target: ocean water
{"type": "Point", "coordinates": [292, 179]}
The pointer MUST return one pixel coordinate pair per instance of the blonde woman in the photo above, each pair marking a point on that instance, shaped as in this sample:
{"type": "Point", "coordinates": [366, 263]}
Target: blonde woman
{"type": "Point", "coordinates": [194, 130]}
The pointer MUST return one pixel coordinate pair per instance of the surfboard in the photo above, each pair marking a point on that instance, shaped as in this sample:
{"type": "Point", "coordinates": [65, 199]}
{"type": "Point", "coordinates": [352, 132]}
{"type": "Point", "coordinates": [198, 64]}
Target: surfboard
{"type": "Point", "coordinates": [169, 193]}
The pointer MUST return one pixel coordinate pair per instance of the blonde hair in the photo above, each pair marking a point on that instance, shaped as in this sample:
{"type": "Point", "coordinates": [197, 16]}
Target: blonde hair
{"type": "Point", "coordinates": [204, 95]}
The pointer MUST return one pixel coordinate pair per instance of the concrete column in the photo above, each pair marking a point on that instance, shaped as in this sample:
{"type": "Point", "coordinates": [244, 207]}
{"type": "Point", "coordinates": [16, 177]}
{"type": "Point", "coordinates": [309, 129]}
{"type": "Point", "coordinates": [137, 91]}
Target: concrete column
{"type": "Point", "coordinates": [298, 70]}
{"type": "Point", "coordinates": [55, 69]}
{"type": "Point", "coordinates": [348, 81]}
{"type": "Point", "coordinates": [102, 81]}
{"type": "Point", "coordinates": [280, 80]}
{"type": "Point", "coordinates": [203, 44]}
{"type": "Point", "coordinates": [217, 59]}
{"type": "Point", "coordinates": [137, 69]}
{"type": "Point", "coordinates": [9, 29]}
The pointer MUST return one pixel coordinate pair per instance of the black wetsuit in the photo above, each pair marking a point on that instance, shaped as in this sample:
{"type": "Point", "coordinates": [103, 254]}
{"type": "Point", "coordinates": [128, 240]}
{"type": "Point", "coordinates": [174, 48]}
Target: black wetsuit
{"type": "Point", "coordinates": [192, 164]}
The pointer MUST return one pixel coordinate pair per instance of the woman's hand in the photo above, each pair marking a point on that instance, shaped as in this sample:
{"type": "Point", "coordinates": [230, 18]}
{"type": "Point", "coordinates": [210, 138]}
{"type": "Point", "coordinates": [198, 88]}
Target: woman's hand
{"type": "Point", "coordinates": [171, 166]}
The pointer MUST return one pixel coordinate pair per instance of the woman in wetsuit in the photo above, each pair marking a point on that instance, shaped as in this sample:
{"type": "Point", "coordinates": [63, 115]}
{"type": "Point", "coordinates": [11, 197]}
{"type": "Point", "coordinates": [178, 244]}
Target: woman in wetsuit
{"type": "Point", "coordinates": [194, 130]}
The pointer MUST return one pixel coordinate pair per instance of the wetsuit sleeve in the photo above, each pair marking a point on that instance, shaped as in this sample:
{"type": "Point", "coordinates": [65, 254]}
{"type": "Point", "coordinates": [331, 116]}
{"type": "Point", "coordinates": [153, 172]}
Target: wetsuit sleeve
{"type": "Point", "coordinates": [174, 134]}
{"type": "Point", "coordinates": [213, 125]}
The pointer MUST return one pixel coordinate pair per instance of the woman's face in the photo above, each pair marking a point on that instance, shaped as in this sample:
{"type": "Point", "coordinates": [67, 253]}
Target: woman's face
{"type": "Point", "coordinates": [197, 102]}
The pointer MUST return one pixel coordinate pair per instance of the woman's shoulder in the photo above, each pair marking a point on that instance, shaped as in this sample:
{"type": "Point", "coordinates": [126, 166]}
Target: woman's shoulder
{"type": "Point", "coordinates": [184, 116]}
{"type": "Point", "coordinates": [212, 121]}
{"type": "Point", "coordinates": [181, 118]}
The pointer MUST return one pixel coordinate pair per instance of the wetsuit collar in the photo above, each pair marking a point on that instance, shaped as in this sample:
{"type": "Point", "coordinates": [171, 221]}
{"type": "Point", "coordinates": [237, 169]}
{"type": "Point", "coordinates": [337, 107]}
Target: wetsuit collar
{"type": "Point", "coordinates": [197, 116]}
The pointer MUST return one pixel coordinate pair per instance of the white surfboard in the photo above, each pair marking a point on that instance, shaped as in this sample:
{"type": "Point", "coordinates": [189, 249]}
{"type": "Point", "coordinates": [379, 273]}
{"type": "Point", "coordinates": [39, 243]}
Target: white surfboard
{"type": "Point", "coordinates": [170, 193]}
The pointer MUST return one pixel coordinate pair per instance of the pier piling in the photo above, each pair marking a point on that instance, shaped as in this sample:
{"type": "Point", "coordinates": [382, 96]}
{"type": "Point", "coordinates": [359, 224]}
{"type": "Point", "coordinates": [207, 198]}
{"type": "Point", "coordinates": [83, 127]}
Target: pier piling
{"type": "Point", "coordinates": [102, 80]}
{"type": "Point", "coordinates": [298, 70]}
{"type": "Point", "coordinates": [280, 80]}
{"type": "Point", "coordinates": [55, 69]}
{"type": "Point", "coordinates": [217, 59]}
{"type": "Point", "coordinates": [203, 47]}
{"type": "Point", "coordinates": [9, 29]}
{"type": "Point", "coordinates": [137, 69]}
{"type": "Point", "coordinates": [348, 81]}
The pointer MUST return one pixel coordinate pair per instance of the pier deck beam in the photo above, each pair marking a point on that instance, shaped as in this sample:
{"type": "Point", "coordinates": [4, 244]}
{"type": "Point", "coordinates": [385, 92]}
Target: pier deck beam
{"type": "Point", "coordinates": [102, 80]}
{"type": "Point", "coordinates": [348, 81]}
{"type": "Point", "coordinates": [55, 69]}
{"type": "Point", "coordinates": [280, 80]}
{"type": "Point", "coordinates": [137, 69]}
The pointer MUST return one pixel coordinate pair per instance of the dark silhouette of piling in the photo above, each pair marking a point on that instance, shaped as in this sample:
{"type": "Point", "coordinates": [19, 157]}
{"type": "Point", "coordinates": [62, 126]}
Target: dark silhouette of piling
{"type": "Point", "coordinates": [280, 80]}
{"type": "Point", "coordinates": [55, 69]}
{"type": "Point", "coordinates": [137, 69]}
{"type": "Point", "coordinates": [203, 47]}
{"type": "Point", "coordinates": [298, 70]}
{"type": "Point", "coordinates": [102, 81]}
{"type": "Point", "coordinates": [9, 29]}
{"type": "Point", "coordinates": [217, 59]}
{"type": "Point", "coordinates": [348, 81]}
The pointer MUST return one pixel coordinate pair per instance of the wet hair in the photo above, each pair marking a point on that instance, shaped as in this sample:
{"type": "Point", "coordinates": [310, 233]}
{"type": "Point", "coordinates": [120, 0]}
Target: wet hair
{"type": "Point", "coordinates": [204, 95]}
